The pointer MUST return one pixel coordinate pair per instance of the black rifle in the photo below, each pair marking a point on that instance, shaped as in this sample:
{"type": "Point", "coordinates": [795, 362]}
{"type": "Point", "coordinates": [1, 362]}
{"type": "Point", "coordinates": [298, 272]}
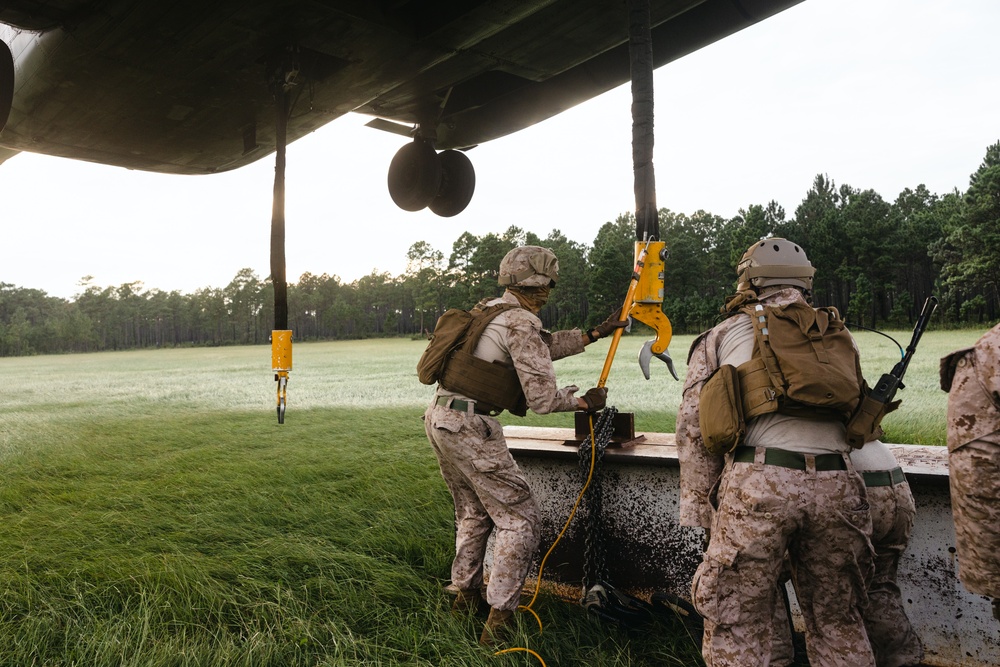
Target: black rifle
{"type": "Point", "coordinates": [864, 423]}
{"type": "Point", "coordinates": [887, 386]}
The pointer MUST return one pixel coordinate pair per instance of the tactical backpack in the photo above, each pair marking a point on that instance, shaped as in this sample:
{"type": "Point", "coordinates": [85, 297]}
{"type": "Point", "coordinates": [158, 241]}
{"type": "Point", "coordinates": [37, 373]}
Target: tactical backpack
{"type": "Point", "coordinates": [454, 328]}
{"type": "Point", "coordinates": [449, 360]}
{"type": "Point", "coordinates": [804, 363]}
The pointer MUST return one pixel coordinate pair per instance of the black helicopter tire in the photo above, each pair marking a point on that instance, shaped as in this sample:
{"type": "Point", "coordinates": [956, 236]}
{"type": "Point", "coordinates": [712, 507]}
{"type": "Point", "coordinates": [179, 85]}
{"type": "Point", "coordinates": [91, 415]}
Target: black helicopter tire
{"type": "Point", "coordinates": [458, 183]}
{"type": "Point", "coordinates": [414, 176]}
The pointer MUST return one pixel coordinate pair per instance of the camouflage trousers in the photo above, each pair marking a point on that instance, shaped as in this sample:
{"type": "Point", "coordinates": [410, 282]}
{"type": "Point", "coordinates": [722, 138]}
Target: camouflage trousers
{"type": "Point", "coordinates": [821, 519]}
{"type": "Point", "coordinates": [893, 640]}
{"type": "Point", "coordinates": [782, 644]}
{"type": "Point", "coordinates": [490, 494]}
{"type": "Point", "coordinates": [892, 637]}
{"type": "Point", "coordinates": [974, 472]}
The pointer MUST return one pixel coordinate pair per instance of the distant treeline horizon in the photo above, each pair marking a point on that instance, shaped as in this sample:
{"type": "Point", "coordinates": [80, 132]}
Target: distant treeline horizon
{"type": "Point", "coordinates": [876, 261]}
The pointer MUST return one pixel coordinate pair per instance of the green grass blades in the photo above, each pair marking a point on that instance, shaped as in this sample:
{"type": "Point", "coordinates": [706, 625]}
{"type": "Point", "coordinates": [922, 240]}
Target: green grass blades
{"type": "Point", "coordinates": [155, 513]}
{"type": "Point", "coordinates": [921, 418]}
{"type": "Point", "coordinates": [221, 538]}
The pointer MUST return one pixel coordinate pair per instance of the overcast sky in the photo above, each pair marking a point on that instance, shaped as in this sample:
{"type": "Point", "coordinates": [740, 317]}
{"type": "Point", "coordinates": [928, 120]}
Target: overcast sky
{"type": "Point", "coordinates": [880, 94]}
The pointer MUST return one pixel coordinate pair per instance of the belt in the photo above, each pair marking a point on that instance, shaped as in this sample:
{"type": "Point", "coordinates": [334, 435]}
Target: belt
{"type": "Point", "coordinates": [787, 459]}
{"type": "Point", "coordinates": [460, 405]}
{"type": "Point", "coordinates": [884, 477]}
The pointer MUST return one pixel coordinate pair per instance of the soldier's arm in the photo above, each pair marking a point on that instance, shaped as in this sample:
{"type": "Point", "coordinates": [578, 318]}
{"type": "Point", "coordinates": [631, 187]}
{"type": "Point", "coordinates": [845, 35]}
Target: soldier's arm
{"type": "Point", "coordinates": [533, 362]}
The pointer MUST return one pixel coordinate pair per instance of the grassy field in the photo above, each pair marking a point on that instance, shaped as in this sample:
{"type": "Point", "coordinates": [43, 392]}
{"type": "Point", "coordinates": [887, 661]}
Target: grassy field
{"type": "Point", "coordinates": [155, 513]}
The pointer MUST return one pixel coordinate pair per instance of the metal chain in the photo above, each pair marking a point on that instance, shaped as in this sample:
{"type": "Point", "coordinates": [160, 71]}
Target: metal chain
{"type": "Point", "coordinates": [594, 545]}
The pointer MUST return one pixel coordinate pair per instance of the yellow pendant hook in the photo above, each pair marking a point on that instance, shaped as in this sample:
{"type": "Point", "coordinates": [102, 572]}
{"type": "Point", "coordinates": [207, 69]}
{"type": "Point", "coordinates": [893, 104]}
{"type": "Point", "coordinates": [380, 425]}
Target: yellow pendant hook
{"type": "Point", "coordinates": [281, 364]}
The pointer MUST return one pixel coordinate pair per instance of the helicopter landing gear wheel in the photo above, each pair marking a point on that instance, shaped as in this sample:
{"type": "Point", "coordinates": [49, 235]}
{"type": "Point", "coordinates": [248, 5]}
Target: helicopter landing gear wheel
{"type": "Point", "coordinates": [458, 183]}
{"type": "Point", "coordinates": [414, 176]}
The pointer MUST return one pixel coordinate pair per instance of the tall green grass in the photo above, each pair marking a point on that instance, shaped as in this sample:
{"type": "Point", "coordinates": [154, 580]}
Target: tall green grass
{"type": "Point", "coordinates": [153, 512]}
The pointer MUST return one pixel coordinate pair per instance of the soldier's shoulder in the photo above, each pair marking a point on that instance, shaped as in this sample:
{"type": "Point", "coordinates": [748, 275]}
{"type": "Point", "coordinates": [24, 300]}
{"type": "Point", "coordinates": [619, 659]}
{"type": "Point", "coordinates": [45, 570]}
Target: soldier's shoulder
{"type": "Point", "coordinates": [711, 336]}
{"type": "Point", "coordinates": [521, 318]}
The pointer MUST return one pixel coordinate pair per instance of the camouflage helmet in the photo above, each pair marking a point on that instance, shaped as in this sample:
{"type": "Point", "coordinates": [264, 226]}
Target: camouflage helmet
{"type": "Point", "coordinates": [774, 261]}
{"type": "Point", "coordinates": [529, 266]}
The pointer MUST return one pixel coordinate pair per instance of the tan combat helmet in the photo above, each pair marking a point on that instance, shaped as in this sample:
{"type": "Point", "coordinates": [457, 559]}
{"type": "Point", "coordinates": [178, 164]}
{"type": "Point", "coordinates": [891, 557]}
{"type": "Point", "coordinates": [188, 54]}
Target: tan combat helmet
{"type": "Point", "coordinates": [774, 262]}
{"type": "Point", "coordinates": [529, 266]}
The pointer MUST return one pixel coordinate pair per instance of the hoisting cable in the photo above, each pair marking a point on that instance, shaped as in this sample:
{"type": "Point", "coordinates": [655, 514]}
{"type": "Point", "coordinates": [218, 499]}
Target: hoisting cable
{"type": "Point", "coordinates": [640, 43]}
{"type": "Point", "coordinates": [283, 80]}
{"type": "Point", "coordinates": [647, 230]}
{"type": "Point", "coordinates": [647, 302]}
{"type": "Point", "coordinates": [644, 296]}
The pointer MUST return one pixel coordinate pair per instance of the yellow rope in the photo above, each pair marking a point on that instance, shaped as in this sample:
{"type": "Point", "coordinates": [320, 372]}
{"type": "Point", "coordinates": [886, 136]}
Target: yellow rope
{"type": "Point", "coordinates": [541, 567]}
{"type": "Point", "coordinates": [590, 474]}
{"type": "Point", "coordinates": [526, 650]}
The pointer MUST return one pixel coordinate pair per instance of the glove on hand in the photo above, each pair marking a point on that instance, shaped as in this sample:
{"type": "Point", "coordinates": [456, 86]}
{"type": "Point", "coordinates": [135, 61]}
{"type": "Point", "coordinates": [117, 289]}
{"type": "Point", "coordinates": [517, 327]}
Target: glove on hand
{"type": "Point", "coordinates": [595, 399]}
{"type": "Point", "coordinates": [608, 326]}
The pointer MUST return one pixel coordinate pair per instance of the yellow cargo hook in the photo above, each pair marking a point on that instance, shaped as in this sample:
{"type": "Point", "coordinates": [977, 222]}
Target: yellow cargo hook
{"type": "Point", "coordinates": [648, 307]}
{"type": "Point", "coordinates": [281, 364]}
{"type": "Point", "coordinates": [643, 301]}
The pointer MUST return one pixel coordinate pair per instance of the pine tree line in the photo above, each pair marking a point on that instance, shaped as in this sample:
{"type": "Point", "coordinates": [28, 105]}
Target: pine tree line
{"type": "Point", "coordinates": [876, 261]}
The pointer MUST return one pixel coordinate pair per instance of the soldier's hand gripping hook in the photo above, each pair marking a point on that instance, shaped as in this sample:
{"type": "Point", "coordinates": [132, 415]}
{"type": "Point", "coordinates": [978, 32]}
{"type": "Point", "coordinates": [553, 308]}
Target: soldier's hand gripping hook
{"type": "Point", "coordinates": [648, 307]}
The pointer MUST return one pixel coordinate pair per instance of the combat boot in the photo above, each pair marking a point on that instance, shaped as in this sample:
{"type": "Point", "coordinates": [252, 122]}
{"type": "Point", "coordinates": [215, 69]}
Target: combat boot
{"type": "Point", "coordinates": [468, 601]}
{"type": "Point", "coordinates": [499, 627]}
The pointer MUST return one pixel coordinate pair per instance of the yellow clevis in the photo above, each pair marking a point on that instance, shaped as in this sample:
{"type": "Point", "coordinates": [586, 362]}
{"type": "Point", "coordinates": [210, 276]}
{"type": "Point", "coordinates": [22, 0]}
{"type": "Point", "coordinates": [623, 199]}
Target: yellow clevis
{"type": "Point", "coordinates": [281, 364]}
{"type": "Point", "coordinates": [647, 304]}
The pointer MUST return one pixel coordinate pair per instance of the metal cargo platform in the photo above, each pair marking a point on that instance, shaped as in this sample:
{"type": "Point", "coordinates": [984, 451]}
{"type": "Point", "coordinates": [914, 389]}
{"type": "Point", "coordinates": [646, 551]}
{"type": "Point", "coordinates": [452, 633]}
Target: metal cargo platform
{"type": "Point", "coordinates": [647, 551]}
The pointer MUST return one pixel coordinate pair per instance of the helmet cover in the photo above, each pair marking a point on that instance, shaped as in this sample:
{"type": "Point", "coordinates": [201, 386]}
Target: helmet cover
{"type": "Point", "coordinates": [529, 266]}
{"type": "Point", "coordinates": [774, 261]}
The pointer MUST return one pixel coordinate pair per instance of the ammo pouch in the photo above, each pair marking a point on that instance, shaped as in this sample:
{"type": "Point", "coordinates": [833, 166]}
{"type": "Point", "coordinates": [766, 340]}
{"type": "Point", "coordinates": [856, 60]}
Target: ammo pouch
{"type": "Point", "coordinates": [493, 385]}
{"type": "Point", "coordinates": [758, 393]}
{"type": "Point", "coordinates": [720, 414]}
{"type": "Point", "coordinates": [865, 424]}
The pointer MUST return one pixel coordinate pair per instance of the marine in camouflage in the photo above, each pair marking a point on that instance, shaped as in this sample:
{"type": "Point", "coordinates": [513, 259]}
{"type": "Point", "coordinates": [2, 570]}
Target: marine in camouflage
{"type": "Point", "coordinates": [974, 461]}
{"type": "Point", "coordinates": [893, 640]}
{"type": "Point", "coordinates": [700, 470]}
{"type": "Point", "coordinates": [758, 512]}
{"type": "Point", "coordinates": [490, 494]}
